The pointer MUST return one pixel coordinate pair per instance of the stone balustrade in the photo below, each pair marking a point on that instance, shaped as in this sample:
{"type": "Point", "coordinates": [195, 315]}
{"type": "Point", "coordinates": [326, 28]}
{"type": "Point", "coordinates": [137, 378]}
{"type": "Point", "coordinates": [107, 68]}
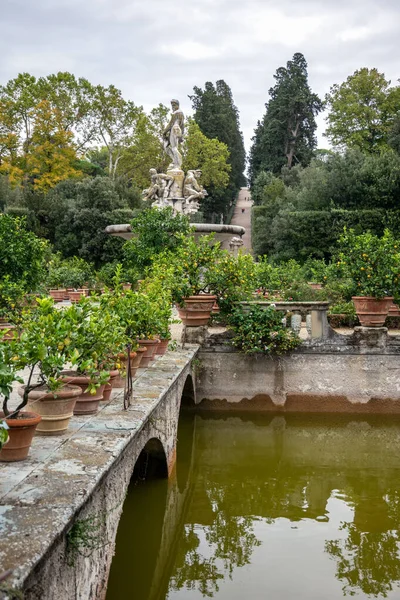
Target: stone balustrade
{"type": "Point", "coordinates": [316, 316]}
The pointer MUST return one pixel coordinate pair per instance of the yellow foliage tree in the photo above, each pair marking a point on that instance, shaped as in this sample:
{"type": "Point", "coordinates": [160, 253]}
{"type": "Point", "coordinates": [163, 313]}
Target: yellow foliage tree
{"type": "Point", "coordinates": [51, 153]}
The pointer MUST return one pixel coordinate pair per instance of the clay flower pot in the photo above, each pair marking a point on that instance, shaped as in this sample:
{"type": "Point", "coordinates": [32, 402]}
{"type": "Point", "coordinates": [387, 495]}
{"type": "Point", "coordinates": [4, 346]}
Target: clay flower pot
{"type": "Point", "coordinates": [370, 311]}
{"type": "Point", "coordinates": [135, 360]}
{"type": "Point", "coordinates": [196, 310]}
{"type": "Point", "coordinates": [7, 331]}
{"type": "Point", "coordinates": [109, 385]}
{"type": "Point", "coordinates": [76, 295]}
{"type": "Point", "coordinates": [57, 295]}
{"type": "Point", "coordinates": [394, 310]}
{"type": "Point", "coordinates": [21, 431]}
{"type": "Point", "coordinates": [162, 347]}
{"type": "Point", "coordinates": [149, 353]}
{"type": "Point", "coordinates": [86, 403]}
{"type": "Point", "coordinates": [55, 408]}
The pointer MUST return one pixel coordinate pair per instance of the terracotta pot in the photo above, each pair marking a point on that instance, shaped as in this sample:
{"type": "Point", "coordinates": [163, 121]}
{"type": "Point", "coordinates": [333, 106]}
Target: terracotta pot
{"type": "Point", "coordinates": [315, 286]}
{"type": "Point", "coordinates": [57, 295]}
{"type": "Point", "coordinates": [215, 309]}
{"type": "Point", "coordinates": [21, 433]}
{"type": "Point", "coordinates": [196, 310]}
{"type": "Point", "coordinates": [119, 381]}
{"type": "Point", "coordinates": [56, 409]}
{"type": "Point", "coordinates": [370, 311]}
{"type": "Point", "coordinates": [394, 310]}
{"type": "Point", "coordinates": [86, 403]}
{"type": "Point", "coordinates": [7, 331]}
{"type": "Point", "coordinates": [109, 385]}
{"type": "Point", "coordinates": [83, 291]}
{"type": "Point", "coordinates": [76, 295]}
{"type": "Point", "coordinates": [162, 347]}
{"type": "Point", "coordinates": [149, 353]}
{"type": "Point", "coordinates": [126, 286]}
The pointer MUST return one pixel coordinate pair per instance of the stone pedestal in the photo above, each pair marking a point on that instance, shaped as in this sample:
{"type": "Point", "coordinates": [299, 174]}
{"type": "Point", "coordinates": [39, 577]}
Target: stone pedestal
{"type": "Point", "coordinates": [176, 189]}
{"type": "Point", "coordinates": [194, 335]}
{"type": "Point", "coordinates": [370, 338]}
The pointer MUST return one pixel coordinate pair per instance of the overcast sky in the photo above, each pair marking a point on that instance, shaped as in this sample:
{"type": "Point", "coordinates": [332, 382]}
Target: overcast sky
{"type": "Point", "coordinates": [155, 50]}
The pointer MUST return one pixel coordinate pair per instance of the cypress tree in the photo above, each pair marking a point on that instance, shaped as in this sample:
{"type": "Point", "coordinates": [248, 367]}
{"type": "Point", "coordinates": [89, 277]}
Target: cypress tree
{"type": "Point", "coordinates": [218, 117]}
{"type": "Point", "coordinates": [286, 134]}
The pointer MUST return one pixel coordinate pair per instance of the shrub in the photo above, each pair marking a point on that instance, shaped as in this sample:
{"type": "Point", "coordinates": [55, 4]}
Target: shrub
{"type": "Point", "coordinates": [22, 253]}
{"type": "Point", "coordinates": [372, 262]}
{"type": "Point", "coordinates": [155, 231]}
{"type": "Point", "coordinates": [261, 331]}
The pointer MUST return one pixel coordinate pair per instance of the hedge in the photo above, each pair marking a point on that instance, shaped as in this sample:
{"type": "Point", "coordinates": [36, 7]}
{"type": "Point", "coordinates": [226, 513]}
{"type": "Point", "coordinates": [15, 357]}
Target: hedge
{"type": "Point", "coordinates": [299, 234]}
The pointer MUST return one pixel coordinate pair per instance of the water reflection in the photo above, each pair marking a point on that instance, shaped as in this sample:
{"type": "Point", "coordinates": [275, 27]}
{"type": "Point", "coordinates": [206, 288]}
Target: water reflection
{"type": "Point", "coordinates": [303, 507]}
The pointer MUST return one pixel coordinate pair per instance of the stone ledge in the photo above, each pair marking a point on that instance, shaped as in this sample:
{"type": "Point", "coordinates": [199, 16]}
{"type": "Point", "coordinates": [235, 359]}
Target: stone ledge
{"type": "Point", "coordinates": [40, 497]}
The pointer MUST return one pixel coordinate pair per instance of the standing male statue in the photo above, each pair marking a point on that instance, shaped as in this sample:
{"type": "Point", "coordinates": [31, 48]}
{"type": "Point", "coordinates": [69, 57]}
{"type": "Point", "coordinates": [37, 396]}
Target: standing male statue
{"type": "Point", "coordinates": [173, 134]}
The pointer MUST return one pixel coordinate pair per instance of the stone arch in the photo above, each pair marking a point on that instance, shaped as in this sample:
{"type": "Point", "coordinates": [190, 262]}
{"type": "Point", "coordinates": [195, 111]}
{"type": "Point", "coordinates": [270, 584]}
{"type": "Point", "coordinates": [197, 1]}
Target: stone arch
{"type": "Point", "coordinates": [152, 462]}
{"type": "Point", "coordinates": [142, 517]}
{"type": "Point", "coordinates": [185, 434]}
{"type": "Point", "coordinates": [188, 397]}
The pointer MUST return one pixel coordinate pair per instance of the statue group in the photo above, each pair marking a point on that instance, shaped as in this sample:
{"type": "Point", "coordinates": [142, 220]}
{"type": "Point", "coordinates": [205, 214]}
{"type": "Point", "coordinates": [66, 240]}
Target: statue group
{"type": "Point", "coordinates": [175, 188]}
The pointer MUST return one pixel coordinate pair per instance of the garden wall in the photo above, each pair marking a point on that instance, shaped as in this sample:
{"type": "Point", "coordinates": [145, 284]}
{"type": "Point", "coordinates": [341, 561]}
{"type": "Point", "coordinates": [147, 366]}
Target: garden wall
{"type": "Point", "coordinates": [356, 374]}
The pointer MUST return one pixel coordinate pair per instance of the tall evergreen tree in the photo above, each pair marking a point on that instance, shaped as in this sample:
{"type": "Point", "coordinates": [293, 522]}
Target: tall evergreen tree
{"type": "Point", "coordinates": [286, 134]}
{"type": "Point", "coordinates": [218, 117]}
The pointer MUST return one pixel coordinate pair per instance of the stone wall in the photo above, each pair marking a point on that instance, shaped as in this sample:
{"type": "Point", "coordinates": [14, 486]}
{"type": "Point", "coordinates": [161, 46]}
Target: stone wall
{"type": "Point", "coordinates": [358, 373]}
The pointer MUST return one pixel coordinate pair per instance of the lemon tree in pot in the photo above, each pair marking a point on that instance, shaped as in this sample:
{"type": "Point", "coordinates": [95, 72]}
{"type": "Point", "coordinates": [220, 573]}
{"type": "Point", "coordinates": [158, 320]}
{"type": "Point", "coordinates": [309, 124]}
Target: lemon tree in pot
{"type": "Point", "coordinates": [96, 338]}
{"type": "Point", "coordinates": [16, 428]}
{"type": "Point", "coordinates": [373, 264]}
{"type": "Point", "coordinates": [43, 347]}
{"type": "Point", "coordinates": [190, 272]}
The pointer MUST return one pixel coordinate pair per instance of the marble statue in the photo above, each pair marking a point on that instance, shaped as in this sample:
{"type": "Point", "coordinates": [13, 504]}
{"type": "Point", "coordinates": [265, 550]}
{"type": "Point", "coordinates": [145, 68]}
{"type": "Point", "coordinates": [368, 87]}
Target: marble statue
{"type": "Point", "coordinates": [193, 192]}
{"type": "Point", "coordinates": [173, 135]}
{"type": "Point", "coordinates": [160, 186]}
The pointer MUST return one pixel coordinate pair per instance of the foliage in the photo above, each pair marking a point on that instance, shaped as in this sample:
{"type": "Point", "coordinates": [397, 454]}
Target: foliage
{"type": "Point", "coordinates": [69, 273]}
{"type": "Point", "coordinates": [155, 231]}
{"type": "Point", "coordinates": [261, 331]}
{"type": "Point", "coordinates": [12, 297]}
{"type": "Point", "coordinates": [362, 111]}
{"type": "Point", "coordinates": [286, 134]}
{"type": "Point", "coordinates": [96, 337]}
{"type": "Point", "coordinates": [232, 279]}
{"type": "Point", "coordinates": [8, 375]}
{"type": "Point", "coordinates": [211, 156]}
{"type": "Point", "coordinates": [218, 118]}
{"type": "Point", "coordinates": [22, 254]}
{"type": "Point", "coordinates": [77, 213]}
{"type": "Point", "coordinates": [343, 308]}
{"type": "Point", "coordinates": [372, 262]}
{"type": "Point", "coordinates": [300, 234]}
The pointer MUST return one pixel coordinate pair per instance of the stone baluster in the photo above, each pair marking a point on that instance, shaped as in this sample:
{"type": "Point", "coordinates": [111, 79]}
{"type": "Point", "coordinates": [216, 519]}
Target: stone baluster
{"type": "Point", "coordinates": [295, 322]}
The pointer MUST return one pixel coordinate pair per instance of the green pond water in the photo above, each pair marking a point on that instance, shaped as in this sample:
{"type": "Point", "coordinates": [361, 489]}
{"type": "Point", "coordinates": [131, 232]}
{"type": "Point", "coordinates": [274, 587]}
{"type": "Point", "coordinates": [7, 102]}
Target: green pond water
{"type": "Point", "coordinates": [267, 507]}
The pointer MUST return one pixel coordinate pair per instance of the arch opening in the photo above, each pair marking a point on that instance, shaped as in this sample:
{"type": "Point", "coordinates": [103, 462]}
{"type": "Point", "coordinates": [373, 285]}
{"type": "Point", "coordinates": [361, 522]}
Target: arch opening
{"type": "Point", "coordinates": [188, 395]}
{"type": "Point", "coordinates": [151, 462]}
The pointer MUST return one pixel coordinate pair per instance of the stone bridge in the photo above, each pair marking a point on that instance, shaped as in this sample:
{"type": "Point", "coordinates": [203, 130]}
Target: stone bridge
{"type": "Point", "coordinates": [60, 509]}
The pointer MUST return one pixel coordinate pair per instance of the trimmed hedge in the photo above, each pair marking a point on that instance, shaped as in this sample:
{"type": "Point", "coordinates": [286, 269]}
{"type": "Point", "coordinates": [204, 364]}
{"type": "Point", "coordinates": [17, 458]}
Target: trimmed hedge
{"type": "Point", "coordinates": [299, 234]}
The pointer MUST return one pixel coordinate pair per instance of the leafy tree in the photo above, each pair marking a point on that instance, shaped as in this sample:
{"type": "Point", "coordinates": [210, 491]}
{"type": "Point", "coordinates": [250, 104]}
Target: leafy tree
{"type": "Point", "coordinates": [155, 231]}
{"type": "Point", "coordinates": [286, 134]}
{"type": "Point", "coordinates": [218, 117]}
{"type": "Point", "coordinates": [212, 157]}
{"type": "Point", "coordinates": [52, 155]}
{"type": "Point", "coordinates": [77, 212]}
{"type": "Point", "coordinates": [362, 111]}
{"type": "Point", "coordinates": [145, 150]}
{"type": "Point", "coordinates": [22, 253]}
{"type": "Point", "coordinates": [115, 120]}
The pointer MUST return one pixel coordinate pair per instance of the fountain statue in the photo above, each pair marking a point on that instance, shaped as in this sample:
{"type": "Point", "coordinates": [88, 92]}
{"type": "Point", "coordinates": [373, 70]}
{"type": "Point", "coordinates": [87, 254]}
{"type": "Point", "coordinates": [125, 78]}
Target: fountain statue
{"type": "Point", "coordinates": [183, 192]}
{"type": "Point", "coordinates": [174, 188]}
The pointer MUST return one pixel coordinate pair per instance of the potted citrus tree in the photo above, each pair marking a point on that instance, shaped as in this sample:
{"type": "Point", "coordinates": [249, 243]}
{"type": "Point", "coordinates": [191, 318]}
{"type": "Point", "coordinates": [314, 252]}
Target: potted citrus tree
{"type": "Point", "coordinates": [17, 427]}
{"type": "Point", "coordinates": [43, 347]}
{"type": "Point", "coordinates": [96, 337]}
{"type": "Point", "coordinates": [373, 264]}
